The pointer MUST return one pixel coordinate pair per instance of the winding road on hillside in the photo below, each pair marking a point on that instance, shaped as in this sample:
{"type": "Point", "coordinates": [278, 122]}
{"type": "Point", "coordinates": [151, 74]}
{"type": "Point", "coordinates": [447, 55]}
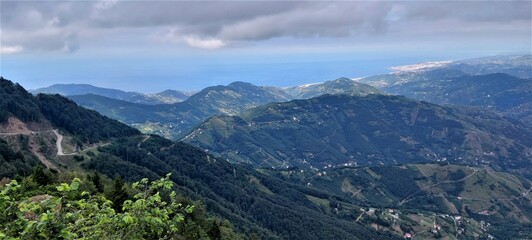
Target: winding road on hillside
{"type": "Point", "coordinates": [58, 143]}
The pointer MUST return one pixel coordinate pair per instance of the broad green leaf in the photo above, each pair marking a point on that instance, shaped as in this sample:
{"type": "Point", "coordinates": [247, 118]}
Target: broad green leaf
{"type": "Point", "coordinates": [75, 184]}
{"type": "Point", "coordinates": [63, 187]}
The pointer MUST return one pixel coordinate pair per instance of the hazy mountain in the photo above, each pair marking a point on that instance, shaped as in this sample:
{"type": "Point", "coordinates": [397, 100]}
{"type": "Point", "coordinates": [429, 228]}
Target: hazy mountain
{"type": "Point", "coordinates": [377, 129]}
{"type": "Point", "coordinates": [168, 96]}
{"type": "Point", "coordinates": [171, 120]}
{"type": "Point", "coordinates": [501, 92]}
{"type": "Point", "coordinates": [518, 66]}
{"type": "Point", "coordinates": [515, 65]}
{"type": "Point", "coordinates": [234, 98]}
{"type": "Point", "coordinates": [384, 81]}
{"type": "Point", "coordinates": [338, 86]}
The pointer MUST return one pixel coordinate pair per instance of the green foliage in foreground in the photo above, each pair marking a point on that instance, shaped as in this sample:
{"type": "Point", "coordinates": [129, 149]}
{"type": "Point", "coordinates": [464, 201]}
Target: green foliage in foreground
{"type": "Point", "coordinates": [70, 213]}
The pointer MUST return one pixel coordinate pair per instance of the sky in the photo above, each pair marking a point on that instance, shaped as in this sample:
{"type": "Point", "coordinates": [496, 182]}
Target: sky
{"type": "Point", "coordinates": [150, 46]}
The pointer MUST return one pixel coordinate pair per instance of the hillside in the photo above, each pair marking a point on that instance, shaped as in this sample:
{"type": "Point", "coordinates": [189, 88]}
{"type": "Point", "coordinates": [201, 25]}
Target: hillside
{"type": "Point", "coordinates": [499, 92]}
{"type": "Point", "coordinates": [30, 126]}
{"type": "Point", "coordinates": [167, 96]}
{"type": "Point", "coordinates": [256, 204]}
{"type": "Point", "coordinates": [448, 193]}
{"type": "Point", "coordinates": [338, 86]}
{"type": "Point", "coordinates": [344, 130]}
{"type": "Point", "coordinates": [171, 120]}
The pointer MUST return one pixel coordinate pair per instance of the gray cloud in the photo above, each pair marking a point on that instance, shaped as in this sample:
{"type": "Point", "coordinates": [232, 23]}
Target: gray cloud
{"type": "Point", "coordinates": [57, 25]}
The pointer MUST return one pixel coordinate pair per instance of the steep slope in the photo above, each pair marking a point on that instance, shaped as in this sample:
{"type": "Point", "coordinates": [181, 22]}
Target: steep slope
{"type": "Point", "coordinates": [29, 124]}
{"type": "Point", "coordinates": [168, 96]}
{"type": "Point", "coordinates": [253, 202]}
{"type": "Point", "coordinates": [335, 130]}
{"type": "Point", "coordinates": [338, 86]}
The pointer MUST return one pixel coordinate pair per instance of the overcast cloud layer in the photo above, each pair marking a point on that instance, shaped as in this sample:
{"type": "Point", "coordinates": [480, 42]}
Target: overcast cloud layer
{"type": "Point", "coordinates": [65, 26]}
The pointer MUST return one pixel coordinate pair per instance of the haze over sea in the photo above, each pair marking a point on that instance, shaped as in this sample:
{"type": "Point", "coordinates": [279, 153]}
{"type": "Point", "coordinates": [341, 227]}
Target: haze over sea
{"type": "Point", "coordinates": [194, 73]}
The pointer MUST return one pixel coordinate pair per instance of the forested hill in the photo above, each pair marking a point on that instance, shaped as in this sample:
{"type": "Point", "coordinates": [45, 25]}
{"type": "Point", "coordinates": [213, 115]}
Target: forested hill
{"type": "Point", "coordinates": [377, 129]}
{"type": "Point", "coordinates": [55, 111]}
{"type": "Point", "coordinates": [254, 203]}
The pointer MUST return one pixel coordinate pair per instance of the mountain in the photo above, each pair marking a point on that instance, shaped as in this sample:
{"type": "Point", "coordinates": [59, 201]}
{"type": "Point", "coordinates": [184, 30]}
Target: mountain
{"type": "Point", "coordinates": [497, 91]}
{"type": "Point", "coordinates": [21, 111]}
{"type": "Point", "coordinates": [168, 96]}
{"type": "Point", "coordinates": [346, 130]}
{"type": "Point", "coordinates": [500, 92]}
{"type": "Point", "coordinates": [515, 65]}
{"type": "Point", "coordinates": [257, 204]}
{"type": "Point", "coordinates": [519, 66]}
{"type": "Point", "coordinates": [32, 124]}
{"type": "Point", "coordinates": [233, 98]}
{"type": "Point", "coordinates": [338, 86]}
{"type": "Point", "coordinates": [170, 120]}
{"type": "Point", "coordinates": [384, 81]}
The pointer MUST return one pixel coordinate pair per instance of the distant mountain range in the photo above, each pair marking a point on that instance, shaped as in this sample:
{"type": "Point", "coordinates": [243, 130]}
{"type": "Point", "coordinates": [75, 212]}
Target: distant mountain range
{"type": "Point", "coordinates": [164, 97]}
{"type": "Point", "coordinates": [334, 130]}
{"type": "Point", "coordinates": [337, 133]}
{"type": "Point", "coordinates": [171, 120]}
{"type": "Point", "coordinates": [256, 204]}
{"type": "Point", "coordinates": [500, 83]}
{"type": "Point", "coordinates": [515, 65]}
{"type": "Point", "coordinates": [500, 92]}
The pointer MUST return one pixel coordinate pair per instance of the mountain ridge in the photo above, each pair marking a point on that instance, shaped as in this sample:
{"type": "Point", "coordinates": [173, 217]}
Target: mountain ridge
{"type": "Point", "coordinates": [341, 129]}
{"type": "Point", "coordinates": [167, 96]}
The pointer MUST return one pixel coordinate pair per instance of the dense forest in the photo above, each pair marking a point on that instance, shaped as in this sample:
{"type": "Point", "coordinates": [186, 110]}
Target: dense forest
{"type": "Point", "coordinates": [89, 126]}
{"type": "Point", "coordinates": [85, 125]}
{"type": "Point", "coordinates": [17, 102]}
{"type": "Point", "coordinates": [255, 203]}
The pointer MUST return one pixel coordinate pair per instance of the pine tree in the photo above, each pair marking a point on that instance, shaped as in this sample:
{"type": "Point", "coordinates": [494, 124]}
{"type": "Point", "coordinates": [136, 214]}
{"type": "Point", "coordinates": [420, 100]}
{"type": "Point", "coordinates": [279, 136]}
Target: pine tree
{"type": "Point", "coordinates": [118, 194]}
{"type": "Point", "coordinates": [97, 181]}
